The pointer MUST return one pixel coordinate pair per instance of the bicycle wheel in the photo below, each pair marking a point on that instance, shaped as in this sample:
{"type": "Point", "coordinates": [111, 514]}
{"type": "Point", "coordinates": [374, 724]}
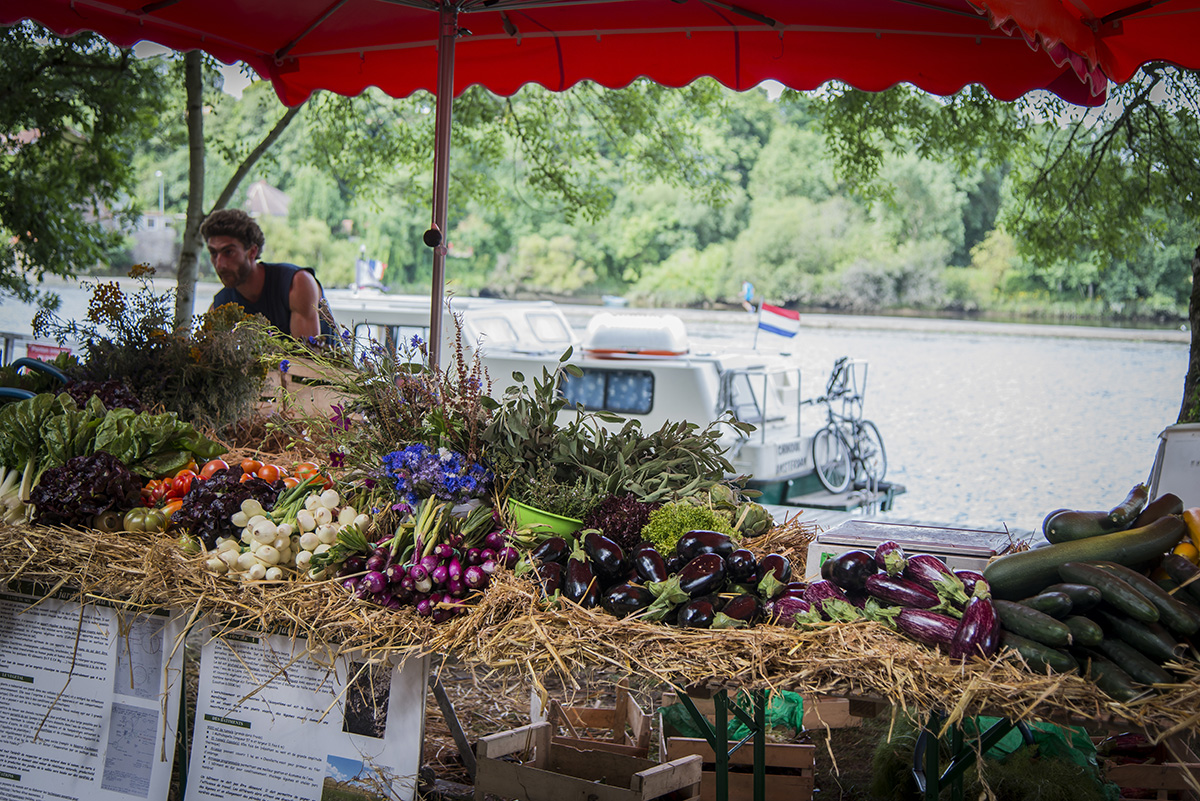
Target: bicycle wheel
{"type": "Point", "coordinates": [871, 462]}
{"type": "Point", "coordinates": [831, 459]}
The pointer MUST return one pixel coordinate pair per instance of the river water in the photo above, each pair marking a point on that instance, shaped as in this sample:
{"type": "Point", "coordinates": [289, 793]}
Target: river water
{"type": "Point", "coordinates": [985, 424]}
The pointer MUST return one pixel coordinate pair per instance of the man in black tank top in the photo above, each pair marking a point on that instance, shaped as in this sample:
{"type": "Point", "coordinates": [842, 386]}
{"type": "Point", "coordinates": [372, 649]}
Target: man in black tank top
{"type": "Point", "coordinates": [290, 297]}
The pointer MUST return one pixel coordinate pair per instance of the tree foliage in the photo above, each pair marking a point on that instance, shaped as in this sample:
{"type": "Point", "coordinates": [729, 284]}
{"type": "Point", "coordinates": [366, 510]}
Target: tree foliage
{"type": "Point", "coordinates": [72, 114]}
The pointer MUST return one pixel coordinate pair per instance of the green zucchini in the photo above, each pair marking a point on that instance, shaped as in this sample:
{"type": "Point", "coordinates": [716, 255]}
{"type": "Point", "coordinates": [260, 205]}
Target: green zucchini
{"type": "Point", "coordinates": [1084, 630]}
{"type": "Point", "coordinates": [1026, 573]}
{"type": "Point", "coordinates": [1124, 513]}
{"type": "Point", "coordinates": [1072, 525]}
{"type": "Point", "coordinates": [1163, 505]}
{"type": "Point", "coordinates": [1032, 624]}
{"type": "Point", "coordinates": [1140, 667]}
{"type": "Point", "coordinates": [1110, 678]}
{"type": "Point", "coordinates": [1172, 613]}
{"type": "Point", "coordinates": [1115, 591]}
{"type": "Point", "coordinates": [1054, 604]}
{"type": "Point", "coordinates": [1185, 574]}
{"type": "Point", "coordinates": [1083, 596]}
{"type": "Point", "coordinates": [1041, 658]}
{"type": "Point", "coordinates": [1150, 638]}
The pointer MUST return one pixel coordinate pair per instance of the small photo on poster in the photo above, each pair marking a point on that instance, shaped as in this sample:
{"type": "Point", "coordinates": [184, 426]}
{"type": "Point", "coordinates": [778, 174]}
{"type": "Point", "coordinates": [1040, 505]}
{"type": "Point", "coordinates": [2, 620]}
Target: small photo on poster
{"type": "Point", "coordinates": [367, 699]}
{"type": "Point", "coordinates": [349, 779]}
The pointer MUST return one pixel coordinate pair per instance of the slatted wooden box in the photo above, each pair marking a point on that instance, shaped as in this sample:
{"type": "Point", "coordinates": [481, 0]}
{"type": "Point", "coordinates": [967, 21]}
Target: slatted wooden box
{"type": "Point", "coordinates": [560, 773]}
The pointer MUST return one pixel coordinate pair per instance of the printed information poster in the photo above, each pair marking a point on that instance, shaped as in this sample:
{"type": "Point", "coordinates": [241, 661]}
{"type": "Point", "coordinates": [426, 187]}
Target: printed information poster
{"type": "Point", "coordinates": [89, 700]}
{"type": "Point", "coordinates": [274, 724]}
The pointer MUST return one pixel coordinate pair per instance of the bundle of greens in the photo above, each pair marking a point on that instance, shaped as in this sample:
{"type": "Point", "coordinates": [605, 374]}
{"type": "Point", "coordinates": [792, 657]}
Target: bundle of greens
{"type": "Point", "coordinates": [47, 430]}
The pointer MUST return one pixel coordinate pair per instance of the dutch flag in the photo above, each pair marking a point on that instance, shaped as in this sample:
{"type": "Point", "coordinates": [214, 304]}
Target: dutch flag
{"type": "Point", "coordinates": [778, 321]}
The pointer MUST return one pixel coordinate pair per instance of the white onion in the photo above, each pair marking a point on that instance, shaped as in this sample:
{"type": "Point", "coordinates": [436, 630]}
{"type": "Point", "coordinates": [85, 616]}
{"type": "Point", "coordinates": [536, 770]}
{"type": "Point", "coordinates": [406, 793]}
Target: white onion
{"type": "Point", "coordinates": [274, 574]}
{"type": "Point", "coordinates": [330, 499]}
{"type": "Point", "coordinates": [239, 519]}
{"type": "Point", "coordinates": [327, 534]}
{"type": "Point", "coordinates": [246, 560]}
{"type": "Point", "coordinates": [305, 520]}
{"type": "Point", "coordinates": [303, 560]}
{"type": "Point", "coordinates": [362, 521]}
{"type": "Point", "coordinates": [347, 515]}
{"type": "Point", "coordinates": [256, 572]}
{"type": "Point", "coordinates": [267, 555]}
{"type": "Point", "coordinates": [323, 515]}
{"type": "Point", "coordinates": [285, 529]}
{"type": "Point", "coordinates": [217, 565]}
{"type": "Point", "coordinates": [309, 540]}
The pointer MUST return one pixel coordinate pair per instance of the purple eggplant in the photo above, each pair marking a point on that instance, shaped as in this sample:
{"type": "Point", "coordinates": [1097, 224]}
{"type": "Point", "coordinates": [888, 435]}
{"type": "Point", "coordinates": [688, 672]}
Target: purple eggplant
{"type": "Point", "coordinates": [697, 542]}
{"type": "Point", "coordinates": [626, 599]}
{"type": "Point", "coordinates": [696, 614]}
{"type": "Point", "coordinates": [774, 573]}
{"type": "Point", "coordinates": [932, 573]}
{"type": "Point", "coordinates": [978, 632]}
{"type": "Point", "coordinates": [784, 609]}
{"type": "Point", "coordinates": [890, 557]}
{"type": "Point", "coordinates": [702, 575]}
{"type": "Point", "coordinates": [931, 628]}
{"type": "Point", "coordinates": [738, 612]}
{"type": "Point", "coordinates": [554, 549]}
{"type": "Point", "coordinates": [606, 556]}
{"type": "Point", "coordinates": [550, 577]}
{"type": "Point", "coordinates": [828, 599]}
{"type": "Point", "coordinates": [741, 566]}
{"type": "Point", "coordinates": [901, 592]}
{"type": "Point", "coordinates": [970, 579]}
{"type": "Point", "coordinates": [851, 569]}
{"type": "Point", "coordinates": [649, 563]}
{"type": "Point", "coordinates": [580, 584]}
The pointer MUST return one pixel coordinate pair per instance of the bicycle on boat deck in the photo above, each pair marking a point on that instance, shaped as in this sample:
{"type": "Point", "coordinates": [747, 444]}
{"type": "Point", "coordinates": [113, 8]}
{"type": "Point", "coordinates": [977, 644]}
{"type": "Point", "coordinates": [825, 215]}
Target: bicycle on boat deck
{"type": "Point", "coordinates": [848, 448]}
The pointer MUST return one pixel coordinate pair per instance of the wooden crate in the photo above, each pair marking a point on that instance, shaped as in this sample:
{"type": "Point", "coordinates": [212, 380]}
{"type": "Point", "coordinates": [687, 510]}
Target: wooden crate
{"type": "Point", "coordinates": [626, 726]}
{"type": "Point", "coordinates": [302, 388]}
{"type": "Point", "coordinates": [561, 773]}
{"type": "Point", "coordinates": [789, 766]}
{"type": "Point", "coordinates": [1160, 778]}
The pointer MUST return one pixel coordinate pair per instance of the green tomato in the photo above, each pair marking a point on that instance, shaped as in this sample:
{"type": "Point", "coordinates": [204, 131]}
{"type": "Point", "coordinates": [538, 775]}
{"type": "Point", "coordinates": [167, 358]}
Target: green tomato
{"type": "Point", "coordinates": [188, 543]}
{"type": "Point", "coordinates": [135, 519]}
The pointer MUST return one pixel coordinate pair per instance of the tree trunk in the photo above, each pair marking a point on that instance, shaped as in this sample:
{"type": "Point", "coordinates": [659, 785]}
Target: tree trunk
{"type": "Point", "coordinates": [189, 254]}
{"type": "Point", "coordinates": [1189, 412]}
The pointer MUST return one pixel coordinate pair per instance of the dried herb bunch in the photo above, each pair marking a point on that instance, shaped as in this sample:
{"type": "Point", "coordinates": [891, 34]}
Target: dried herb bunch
{"type": "Point", "coordinates": [211, 376]}
{"type": "Point", "coordinates": [390, 398]}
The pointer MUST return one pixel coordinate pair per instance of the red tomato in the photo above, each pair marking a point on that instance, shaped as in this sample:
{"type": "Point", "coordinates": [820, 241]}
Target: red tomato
{"type": "Point", "coordinates": [191, 465]}
{"type": "Point", "coordinates": [171, 507]}
{"type": "Point", "coordinates": [181, 484]}
{"type": "Point", "coordinates": [212, 466]}
{"type": "Point", "coordinates": [246, 477]}
{"type": "Point", "coordinates": [306, 469]}
{"type": "Point", "coordinates": [290, 481]}
{"type": "Point", "coordinates": [268, 473]}
{"type": "Point", "coordinates": [251, 466]}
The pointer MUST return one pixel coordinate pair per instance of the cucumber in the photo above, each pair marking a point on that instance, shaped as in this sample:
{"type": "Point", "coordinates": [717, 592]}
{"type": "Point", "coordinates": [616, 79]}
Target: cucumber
{"type": "Point", "coordinates": [1140, 667]}
{"type": "Point", "coordinates": [1185, 574]}
{"type": "Point", "coordinates": [1124, 513]}
{"type": "Point", "coordinates": [1150, 638]}
{"type": "Point", "coordinates": [1054, 604]}
{"type": "Point", "coordinates": [1072, 525]}
{"type": "Point", "coordinates": [1041, 658]}
{"type": "Point", "coordinates": [1032, 624]}
{"type": "Point", "coordinates": [1110, 678]}
{"type": "Point", "coordinates": [1115, 591]}
{"type": "Point", "coordinates": [1084, 630]}
{"type": "Point", "coordinates": [1163, 505]}
{"type": "Point", "coordinates": [1172, 613]}
{"type": "Point", "coordinates": [1026, 573]}
{"type": "Point", "coordinates": [1083, 596]}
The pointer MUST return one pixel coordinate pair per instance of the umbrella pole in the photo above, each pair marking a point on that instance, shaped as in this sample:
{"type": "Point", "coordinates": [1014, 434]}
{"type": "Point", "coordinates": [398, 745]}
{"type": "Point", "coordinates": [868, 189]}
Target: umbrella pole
{"type": "Point", "coordinates": [436, 236]}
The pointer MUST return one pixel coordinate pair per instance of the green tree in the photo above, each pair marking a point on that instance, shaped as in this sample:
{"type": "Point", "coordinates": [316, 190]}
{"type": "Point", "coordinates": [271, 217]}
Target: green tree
{"type": "Point", "coordinates": [1091, 188]}
{"type": "Point", "coordinates": [72, 113]}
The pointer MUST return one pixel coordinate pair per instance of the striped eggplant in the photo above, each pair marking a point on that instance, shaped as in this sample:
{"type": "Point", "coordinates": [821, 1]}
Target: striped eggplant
{"type": "Point", "coordinates": [931, 628]}
{"type": "Point", "coordinates": [901, 592]}
{"type": "Point", "coordinates": [890, 557]}
{"type": "Point", "coordinates": [978, 633]}
{"type": "Point", "coordinates": [932, 573]}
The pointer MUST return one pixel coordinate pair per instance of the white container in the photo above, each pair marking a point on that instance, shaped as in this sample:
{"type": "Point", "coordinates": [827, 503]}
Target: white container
{"type": "Point", "coordinates": [959, 548]}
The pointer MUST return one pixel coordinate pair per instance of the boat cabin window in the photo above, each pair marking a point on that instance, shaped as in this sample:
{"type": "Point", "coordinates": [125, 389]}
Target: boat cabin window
{"type": "Point", "coordinates": [743, 399]}
{"type": "Point", "coordinates": [494, 330]}
{"type": "Point", "coordinates": [620, 391]}
{"type": "Point", "coordinates": [548, 327]}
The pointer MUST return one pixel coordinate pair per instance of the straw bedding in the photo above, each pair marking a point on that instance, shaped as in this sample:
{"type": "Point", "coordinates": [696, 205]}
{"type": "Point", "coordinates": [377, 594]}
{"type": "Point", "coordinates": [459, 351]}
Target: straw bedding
{"type": "Point", "coordinates": [511, 632]}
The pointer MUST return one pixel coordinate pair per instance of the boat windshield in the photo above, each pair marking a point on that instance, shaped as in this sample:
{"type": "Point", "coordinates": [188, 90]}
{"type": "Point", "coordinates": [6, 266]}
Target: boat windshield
{"type": "Point", "coordinates": [760, 396]}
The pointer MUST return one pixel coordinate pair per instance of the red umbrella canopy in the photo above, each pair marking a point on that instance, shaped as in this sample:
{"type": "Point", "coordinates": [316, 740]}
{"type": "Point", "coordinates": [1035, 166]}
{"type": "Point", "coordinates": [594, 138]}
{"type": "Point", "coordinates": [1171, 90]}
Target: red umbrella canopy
{"type": "Point", "coordinates": [1116, 36]}
{"type": "Point", "coordinates": [346, 46]}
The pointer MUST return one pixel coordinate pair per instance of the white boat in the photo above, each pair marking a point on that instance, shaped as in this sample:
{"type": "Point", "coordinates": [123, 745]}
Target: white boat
{"type": "Point", "coordinates": [638, 365]}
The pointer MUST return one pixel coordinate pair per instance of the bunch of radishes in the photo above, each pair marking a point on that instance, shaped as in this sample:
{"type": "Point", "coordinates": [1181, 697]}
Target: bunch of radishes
{"type": "Point", "coordinates": [434, 562]}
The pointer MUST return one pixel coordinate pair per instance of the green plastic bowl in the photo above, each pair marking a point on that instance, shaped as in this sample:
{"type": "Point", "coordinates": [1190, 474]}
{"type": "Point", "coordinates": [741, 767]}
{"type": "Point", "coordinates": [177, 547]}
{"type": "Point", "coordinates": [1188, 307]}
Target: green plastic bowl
{"type": "Point", "coordinates": [527, 516]}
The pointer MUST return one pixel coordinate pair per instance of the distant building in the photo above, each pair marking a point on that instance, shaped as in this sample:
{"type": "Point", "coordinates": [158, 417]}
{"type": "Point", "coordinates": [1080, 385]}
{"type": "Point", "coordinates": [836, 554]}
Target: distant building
{"type": "Point", "coordinates": [264, 199]}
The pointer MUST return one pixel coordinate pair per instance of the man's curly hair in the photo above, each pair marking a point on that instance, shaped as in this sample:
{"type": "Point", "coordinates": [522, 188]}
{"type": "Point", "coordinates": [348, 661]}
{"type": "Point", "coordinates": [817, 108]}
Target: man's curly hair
{"type": "Point", "coordinates": [235, 223]}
